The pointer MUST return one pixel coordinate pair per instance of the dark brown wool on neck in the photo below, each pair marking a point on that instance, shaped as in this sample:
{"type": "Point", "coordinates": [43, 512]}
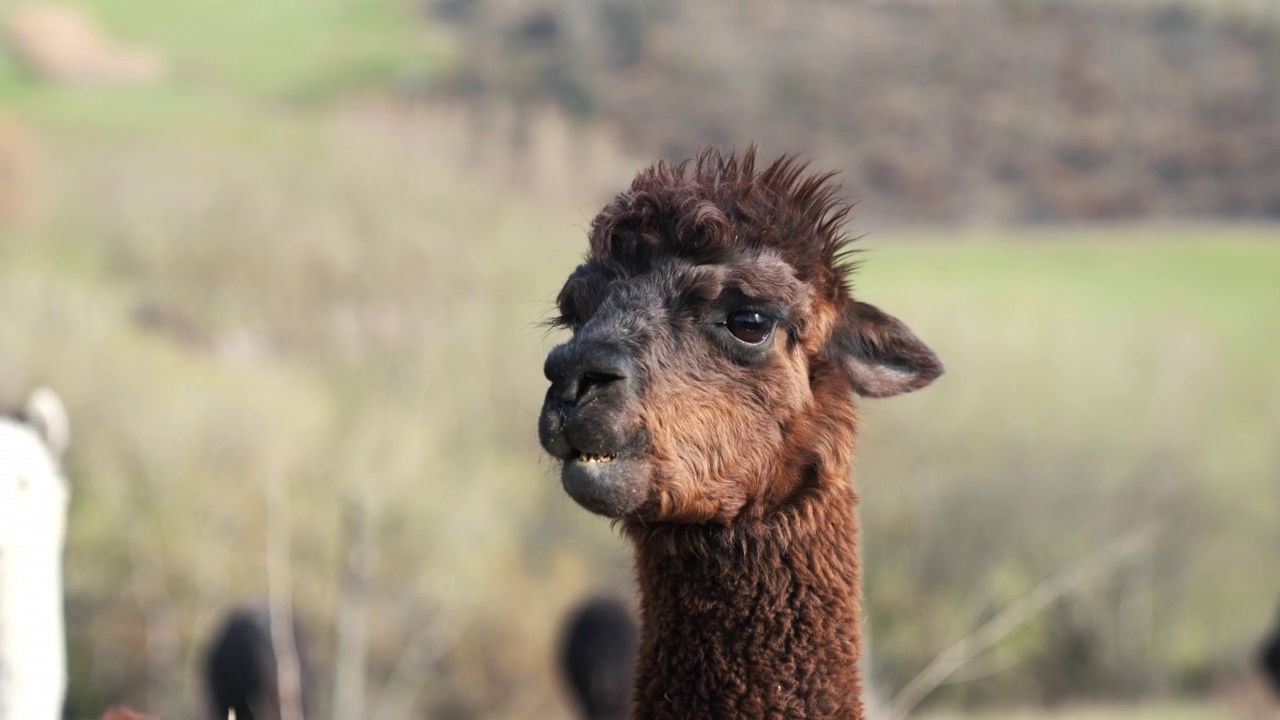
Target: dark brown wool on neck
{"type": "Point", "coordinates": [705, 402]}
{"type": "Point", "coordinates": [765, 625]}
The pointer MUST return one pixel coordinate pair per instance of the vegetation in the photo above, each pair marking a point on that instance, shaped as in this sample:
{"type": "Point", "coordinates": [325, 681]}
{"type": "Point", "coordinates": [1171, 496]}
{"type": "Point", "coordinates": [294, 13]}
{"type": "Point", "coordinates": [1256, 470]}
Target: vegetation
{"type": "Point", "coordinates": [229, 285]}
{"type": "Point", "coordinates": [285, 49]}
{"type": "Point", "coordinates": [1133, 376]}
{"type": "Point", "coordinates": [362, 322]}
{"type": "Point", "coordinates": [988, 110]}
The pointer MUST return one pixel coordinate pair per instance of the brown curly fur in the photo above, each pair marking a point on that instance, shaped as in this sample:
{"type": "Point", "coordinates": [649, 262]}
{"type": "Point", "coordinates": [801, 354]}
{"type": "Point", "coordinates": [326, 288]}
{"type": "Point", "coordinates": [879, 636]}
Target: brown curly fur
{"type": "Point", "coordinates": [739, 504]}
{"type": "Point", "coordinates": [766, 610]}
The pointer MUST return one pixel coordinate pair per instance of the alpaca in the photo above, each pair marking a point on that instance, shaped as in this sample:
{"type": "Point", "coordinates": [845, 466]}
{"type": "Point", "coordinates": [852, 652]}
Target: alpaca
{"type": "Point", "coordinates": [240, 667]}
{"type": "Point", "coordinates": [597, 655]}
{"type": "Point", "coordinates": [704, 403]}
{"type": "Point", "coordinates": [1269, 658]}
{"type": "Point", "coordinates": [33, 515]}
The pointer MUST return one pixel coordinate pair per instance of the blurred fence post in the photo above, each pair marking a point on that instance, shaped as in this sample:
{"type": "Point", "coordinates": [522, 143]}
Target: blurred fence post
{"type": "Point", "coordinates": [352, 643]}
{"type": "Point", "coordinates": [280, 597]}
{"type": "Point", "coordinates": [872, 699]}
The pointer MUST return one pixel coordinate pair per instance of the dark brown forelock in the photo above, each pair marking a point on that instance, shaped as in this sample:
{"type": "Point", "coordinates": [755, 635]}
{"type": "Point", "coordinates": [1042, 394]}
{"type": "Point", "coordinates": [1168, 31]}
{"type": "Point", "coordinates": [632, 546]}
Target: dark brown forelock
{"type": "Point", "coordinates": [719, 207]}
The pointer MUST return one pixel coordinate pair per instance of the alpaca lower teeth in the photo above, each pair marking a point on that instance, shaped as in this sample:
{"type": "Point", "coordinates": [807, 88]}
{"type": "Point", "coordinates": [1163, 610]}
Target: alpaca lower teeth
{"type": "Point", "coordinates": [587, 458]}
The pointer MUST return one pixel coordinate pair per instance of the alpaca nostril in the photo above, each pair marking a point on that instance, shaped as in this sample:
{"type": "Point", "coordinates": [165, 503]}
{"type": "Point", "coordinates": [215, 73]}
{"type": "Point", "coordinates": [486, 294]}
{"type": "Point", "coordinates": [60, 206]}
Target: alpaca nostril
{"type": "Point", "coordinates": [581, 371]}
{"type": "Point", "coordinates": [593, 383]}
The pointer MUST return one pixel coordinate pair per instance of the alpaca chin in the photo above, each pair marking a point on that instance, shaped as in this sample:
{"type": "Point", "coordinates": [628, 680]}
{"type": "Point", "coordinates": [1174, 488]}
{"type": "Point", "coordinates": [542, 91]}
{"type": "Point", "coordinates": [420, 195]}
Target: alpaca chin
{"type": "Point", "coordinates": [613, 488]}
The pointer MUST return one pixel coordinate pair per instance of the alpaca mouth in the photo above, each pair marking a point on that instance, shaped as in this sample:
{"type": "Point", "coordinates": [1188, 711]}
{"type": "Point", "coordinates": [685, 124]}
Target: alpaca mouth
{"type": "Point", "coordinates": [609, 485]}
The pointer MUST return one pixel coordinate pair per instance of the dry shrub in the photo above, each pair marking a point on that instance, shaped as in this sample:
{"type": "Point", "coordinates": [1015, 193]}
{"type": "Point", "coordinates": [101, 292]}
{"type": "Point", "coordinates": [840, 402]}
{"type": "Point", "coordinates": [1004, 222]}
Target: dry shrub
{"type": "Point", "coordinates": [19, 173]}
{"type": "Point", "coordinates": [939, 111]}
{"type": "Point", "coordinates": [391, 349]}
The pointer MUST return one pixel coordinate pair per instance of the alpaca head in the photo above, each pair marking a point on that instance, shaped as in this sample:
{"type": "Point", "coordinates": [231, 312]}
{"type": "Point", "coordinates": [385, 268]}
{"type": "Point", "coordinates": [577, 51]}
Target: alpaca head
{"type": "Point", "coordinates": [240, 666]}
{"type": "Point", "coordinates": [597, 654]}
{"type": "Point", "coordinates": [716, 345]}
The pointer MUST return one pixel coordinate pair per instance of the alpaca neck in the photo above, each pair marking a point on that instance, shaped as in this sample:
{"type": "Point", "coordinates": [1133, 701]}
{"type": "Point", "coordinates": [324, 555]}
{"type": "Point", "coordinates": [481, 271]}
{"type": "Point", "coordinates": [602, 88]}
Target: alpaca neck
{"type": "Point", "coordinates": [756, 620]}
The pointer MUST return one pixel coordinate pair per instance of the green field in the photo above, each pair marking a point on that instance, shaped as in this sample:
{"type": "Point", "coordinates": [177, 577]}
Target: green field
{"type": "Point", "coordinates": [363, 323]}
{"type": "Point", "coordinates": [234, 278]}
{"type": "Point", "coordinates": [233, 54]}
{"type": "Point", "coordinates": [1100, 382]}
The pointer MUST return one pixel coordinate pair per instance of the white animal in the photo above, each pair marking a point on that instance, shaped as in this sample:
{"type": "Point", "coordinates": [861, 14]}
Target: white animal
{"type": "Point", "coordinates": [33, 517]}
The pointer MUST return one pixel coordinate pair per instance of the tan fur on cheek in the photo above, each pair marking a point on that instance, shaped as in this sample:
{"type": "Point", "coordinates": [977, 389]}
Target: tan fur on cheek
{"type": "Point", "coordinates": [715, 444]}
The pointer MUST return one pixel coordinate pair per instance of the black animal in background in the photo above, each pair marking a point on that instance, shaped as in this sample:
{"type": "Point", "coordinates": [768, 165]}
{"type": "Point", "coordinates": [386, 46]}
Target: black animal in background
{"type": "Point", "coordinates": [597, 656]}
{"type": "Point", "coordinates": [240, 667]}
{"type": "Point", "coordinates": [1269, 658]}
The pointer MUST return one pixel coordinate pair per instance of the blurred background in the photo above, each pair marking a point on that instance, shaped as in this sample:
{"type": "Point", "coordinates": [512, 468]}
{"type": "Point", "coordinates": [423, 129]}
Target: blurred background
{"type": "Point", "coordinates": [301, 249]}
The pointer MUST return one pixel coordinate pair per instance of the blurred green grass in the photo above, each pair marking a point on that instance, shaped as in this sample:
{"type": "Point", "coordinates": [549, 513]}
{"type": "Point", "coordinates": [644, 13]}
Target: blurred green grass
{"type": "Point", "coordinates": [230, 65]}
{"type": "Point", "coordinates": [360, 316]}
{"type": "Point", "coordinates": [355, 318]}
{"type": "Point", "coordinates": [1100, 381]}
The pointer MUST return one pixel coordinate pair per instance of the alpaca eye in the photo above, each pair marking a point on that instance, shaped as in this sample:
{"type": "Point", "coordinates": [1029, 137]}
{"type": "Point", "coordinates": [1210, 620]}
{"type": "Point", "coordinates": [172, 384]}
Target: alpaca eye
{"type": "Point", "coordinates": [749, 326]}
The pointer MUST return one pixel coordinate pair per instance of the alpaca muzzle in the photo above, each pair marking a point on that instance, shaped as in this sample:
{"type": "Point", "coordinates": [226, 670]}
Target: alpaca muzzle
{"type": "Point", "coordinates": [586, 423]}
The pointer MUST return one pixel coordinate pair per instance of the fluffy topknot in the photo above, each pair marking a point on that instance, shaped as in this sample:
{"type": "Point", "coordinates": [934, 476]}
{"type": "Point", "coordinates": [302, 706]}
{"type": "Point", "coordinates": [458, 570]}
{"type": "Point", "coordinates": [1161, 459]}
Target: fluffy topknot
{"type": "Point", "coordinates": [719, 206]}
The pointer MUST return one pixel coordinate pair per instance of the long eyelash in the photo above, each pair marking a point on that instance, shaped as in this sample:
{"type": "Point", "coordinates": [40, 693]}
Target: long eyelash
{"type": "Point", "coordinates": [559, 322]}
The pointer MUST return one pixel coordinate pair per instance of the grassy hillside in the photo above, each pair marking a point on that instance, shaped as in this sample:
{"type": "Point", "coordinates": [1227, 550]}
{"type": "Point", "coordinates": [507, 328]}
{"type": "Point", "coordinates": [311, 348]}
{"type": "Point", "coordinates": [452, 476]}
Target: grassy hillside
{"type": "Point", "coordinates": [355, 320]}
{"type": "Point", "coordinates": [987, 110]}
{"type": "Point", "coordinates": [225, 59]}
{"type": "Point", "coordinates": [342, 310]}
{"type": "Point", "coordinates": [1099, 382]}
{"type": "Point", "coordinates": [231, 281]}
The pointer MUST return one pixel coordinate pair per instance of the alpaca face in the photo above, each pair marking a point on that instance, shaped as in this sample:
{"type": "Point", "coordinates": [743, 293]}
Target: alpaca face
{"type": "Point", "coordinates": [715, 349]}
{"type": "Point", "coordinates": [675, 377]}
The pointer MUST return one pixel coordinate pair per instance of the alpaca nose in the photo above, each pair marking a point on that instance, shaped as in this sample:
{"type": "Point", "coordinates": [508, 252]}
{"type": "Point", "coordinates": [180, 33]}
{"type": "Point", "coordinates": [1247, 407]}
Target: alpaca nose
{"type": "Point", "coordinates": [580, 372]}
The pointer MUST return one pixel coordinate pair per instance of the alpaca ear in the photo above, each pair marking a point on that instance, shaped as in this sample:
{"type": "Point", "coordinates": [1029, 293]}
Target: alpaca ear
{"type": "Point", "coordinates": [46, 413]}
{"type": "Point", "coordinates": [879, 353]}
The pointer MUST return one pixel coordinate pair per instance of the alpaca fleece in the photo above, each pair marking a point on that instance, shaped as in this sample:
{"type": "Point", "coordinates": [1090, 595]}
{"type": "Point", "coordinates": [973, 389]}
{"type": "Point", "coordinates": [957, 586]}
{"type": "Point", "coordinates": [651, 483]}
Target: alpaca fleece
{"type": "Point", "coordinates": [781, 640]}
